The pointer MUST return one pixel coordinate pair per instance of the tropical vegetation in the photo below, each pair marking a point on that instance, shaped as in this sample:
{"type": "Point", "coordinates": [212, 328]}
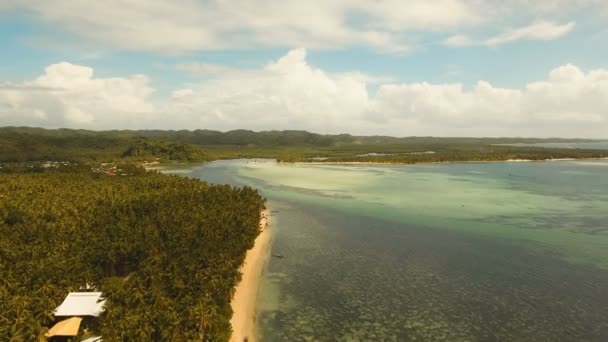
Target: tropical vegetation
{"type": "Point", "coordinates": [165, 251]}
{"type": "Point", "coordinates": [25, 144]}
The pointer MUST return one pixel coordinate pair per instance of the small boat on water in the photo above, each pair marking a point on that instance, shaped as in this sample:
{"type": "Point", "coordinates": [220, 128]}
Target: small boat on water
{"type": "Point", "coordinates": [280, 256]}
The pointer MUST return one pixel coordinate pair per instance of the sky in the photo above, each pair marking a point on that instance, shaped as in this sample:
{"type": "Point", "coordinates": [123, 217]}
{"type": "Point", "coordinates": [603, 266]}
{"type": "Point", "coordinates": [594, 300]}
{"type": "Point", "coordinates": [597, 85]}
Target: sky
{"type": "Point", "coordinates": [518, 68]}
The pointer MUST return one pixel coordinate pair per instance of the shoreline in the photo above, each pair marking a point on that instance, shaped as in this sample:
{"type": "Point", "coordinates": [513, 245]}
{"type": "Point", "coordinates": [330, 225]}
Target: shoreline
{"type": "Point", "coordinates": [164, 166]}
{"type": "Point", "coordinates": [444, 162]}
{"type": "Point", "coordinates": [243, 302]}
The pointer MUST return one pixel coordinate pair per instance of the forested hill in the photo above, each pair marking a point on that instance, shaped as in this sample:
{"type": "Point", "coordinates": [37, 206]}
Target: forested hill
{"type": "Point", "coordinates": [28, 144]}
{"type": "Point", "coordinates": [100, 139]}
{"type": "Point", "coordinates": [36, 144]}
{"type": "Point", "coordinates": [165, 251]}
{"type": "Point", "coordinates": [177, 151]}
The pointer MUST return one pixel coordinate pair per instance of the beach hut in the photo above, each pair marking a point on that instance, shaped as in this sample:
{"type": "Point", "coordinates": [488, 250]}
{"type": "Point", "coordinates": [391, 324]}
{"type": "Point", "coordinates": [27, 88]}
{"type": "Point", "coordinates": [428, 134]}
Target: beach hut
{"type": "Point", "coordinates": [77, 312]}
{"type": "Point", "coordinates": [81, 304]}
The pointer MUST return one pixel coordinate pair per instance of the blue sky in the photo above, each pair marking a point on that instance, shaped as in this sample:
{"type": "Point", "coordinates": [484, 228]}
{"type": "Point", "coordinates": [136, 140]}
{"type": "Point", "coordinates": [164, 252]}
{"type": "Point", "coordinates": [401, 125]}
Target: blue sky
{"type": "Point", "coordinates": [412, 67]}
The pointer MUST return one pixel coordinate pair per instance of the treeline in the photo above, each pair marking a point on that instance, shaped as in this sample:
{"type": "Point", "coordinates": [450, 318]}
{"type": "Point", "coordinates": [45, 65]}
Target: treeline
{"type": "Point", "coordinates": [163, 150]}
{"type": "Point", "coordinates": [496, 153]}
{"type": "Point", "coordinates": [165, 251]}
{"type": "Point", "coordinates": [19, 144]}
{"type": "Point", "coordinates": [37, 144]}
{"type": "Point", "coordinates": [243, 137]}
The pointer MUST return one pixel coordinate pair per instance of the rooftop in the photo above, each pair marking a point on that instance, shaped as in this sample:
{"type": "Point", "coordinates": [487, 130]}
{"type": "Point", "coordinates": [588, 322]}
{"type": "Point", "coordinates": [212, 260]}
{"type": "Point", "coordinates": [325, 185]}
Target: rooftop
{"type": "Point", "coordinates": [81, 304]}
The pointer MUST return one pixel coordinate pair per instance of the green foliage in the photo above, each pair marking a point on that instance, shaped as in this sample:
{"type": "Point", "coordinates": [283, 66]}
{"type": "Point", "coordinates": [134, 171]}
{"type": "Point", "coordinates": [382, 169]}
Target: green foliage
{"type": "Point", "coordinates": [29, 144]}
{"type": "Point", "coordinates": [19, 144]}
{"type": "Point", "coordinates": [165, 251]}
{"type": "Point", "coordinates": [443, 153]}
{"type": "Point", "coordinates": [176, 151]}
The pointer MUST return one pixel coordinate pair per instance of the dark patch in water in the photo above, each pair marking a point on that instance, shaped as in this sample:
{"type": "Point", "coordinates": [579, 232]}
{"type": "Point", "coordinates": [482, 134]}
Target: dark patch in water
{"type": "Point", "coordinates": [365, 279]}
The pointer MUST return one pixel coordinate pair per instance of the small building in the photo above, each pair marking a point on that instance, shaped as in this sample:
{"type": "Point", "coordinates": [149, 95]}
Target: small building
{"type": "Point", "coordinates": [81, 304]}
{"type": "Point", "coordinates": [78, 308]}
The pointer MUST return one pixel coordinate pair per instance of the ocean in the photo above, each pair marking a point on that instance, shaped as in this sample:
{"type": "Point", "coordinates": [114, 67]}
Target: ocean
{"type": "Point", "coordinates": [431, 252]}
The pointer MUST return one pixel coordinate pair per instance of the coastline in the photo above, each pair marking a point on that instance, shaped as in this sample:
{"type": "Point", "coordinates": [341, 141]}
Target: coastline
{"type": "Point", "coordinates": [245, 295]}
{"type": "Point", "coordinates": [444, 162]}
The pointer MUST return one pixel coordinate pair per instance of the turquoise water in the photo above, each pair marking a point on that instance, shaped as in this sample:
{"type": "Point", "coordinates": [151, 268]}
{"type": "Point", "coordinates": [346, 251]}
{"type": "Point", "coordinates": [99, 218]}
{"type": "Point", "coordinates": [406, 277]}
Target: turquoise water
{"type": "Point", "coordinates": [458, 252]}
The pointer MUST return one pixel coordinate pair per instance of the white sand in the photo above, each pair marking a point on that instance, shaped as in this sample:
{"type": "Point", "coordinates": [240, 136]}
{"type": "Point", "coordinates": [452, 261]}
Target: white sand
{"type": "Point", "coordinates": [243, 302]}
{"type": "Point", "coordinates": [439, 162]}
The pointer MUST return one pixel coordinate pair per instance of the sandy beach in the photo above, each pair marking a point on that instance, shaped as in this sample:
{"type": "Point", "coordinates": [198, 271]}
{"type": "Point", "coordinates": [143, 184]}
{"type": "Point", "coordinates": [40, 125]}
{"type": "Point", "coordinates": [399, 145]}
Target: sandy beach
{"type": "Point", "coordinates": [243, 302]}
{"type": "Point", "coordinates": [441, 162]}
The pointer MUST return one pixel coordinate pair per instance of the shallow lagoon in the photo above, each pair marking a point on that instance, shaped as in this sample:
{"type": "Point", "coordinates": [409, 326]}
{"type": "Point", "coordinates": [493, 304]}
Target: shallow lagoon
{"type": "Point", "coordinates": [462, 251]}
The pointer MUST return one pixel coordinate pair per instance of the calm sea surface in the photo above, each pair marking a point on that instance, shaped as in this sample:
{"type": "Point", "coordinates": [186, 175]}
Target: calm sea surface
{"type": "Point", "coordinates": [457, 252]}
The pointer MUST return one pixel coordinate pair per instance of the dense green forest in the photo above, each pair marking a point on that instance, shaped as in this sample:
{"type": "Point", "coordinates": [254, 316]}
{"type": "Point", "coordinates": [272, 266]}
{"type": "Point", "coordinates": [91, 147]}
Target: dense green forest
{"type": "Point", "coordinates": [176, 151]}
{"type": "Point", "coordinates": [20, 144]}
{"type": "Point", "coordinates": [165, 250]}
{"type": "Point", "coordinates": [35, 144]}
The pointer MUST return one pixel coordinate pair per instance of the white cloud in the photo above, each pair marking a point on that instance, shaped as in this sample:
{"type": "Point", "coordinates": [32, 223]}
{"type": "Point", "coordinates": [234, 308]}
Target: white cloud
{"type": "Point", "coordinates": [459, 41]}
{"type": "Point", "coordinates": [169, 27]}
{"type": "Point", "coordinates": [69, 95]}
{"type": "Point", "coordinates": [397, 15]}
{"type": "Point", "coordinates": [542, 7]}
{"type": "Point", "coordinates": [208, 69]}
{"type": "Point", "coordinates": [569, 103]}
{"type": "Point", "coordinates": [570, 95]}
{"type": "Point", "coordinates": [542, 30]}
{"type": "Point", "coordinates": [190, 25]}
{"type": "Point", "coordinates": [289, 93]}
{"type": "Point", "coordinates": [449, 105]}
{"type": "Point", "coordinates": [389, 25]}
{"type": "Point", "coordinates": [130, 24]}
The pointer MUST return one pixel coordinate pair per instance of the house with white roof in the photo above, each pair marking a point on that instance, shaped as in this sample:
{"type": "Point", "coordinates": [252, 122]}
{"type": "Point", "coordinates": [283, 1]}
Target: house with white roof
{"type": "Point", "coordinates": [77, 308]}
{"type": "Point", "coordinates": [81, 304]}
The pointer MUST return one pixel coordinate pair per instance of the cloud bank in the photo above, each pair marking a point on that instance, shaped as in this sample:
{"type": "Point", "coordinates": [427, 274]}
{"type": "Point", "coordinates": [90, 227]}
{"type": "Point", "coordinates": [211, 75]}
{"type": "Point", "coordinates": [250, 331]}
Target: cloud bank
{"type": "Point", "coordinates": [69, 95]}
{"type": "Point", "coordinates": [192, 25]}
{"type": "Point", "coordinates": [289, 93]}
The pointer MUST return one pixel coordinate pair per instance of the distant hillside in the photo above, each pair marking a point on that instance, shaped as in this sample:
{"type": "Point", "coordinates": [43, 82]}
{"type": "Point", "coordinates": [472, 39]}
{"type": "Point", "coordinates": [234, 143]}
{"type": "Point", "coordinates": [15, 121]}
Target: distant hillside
{"type": "Point", "coordinates": [199, 137]}
{"type": "Point", "coordinates": [176, 151]}
{"type": "Point", "coordinates": [29, 144]}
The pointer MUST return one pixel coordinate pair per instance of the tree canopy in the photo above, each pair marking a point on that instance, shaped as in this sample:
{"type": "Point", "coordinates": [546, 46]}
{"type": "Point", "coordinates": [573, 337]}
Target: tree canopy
{"type": "Point", "coordinates": [22, 144]}
{"type": "Point", "coordinates": [165, 250]}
